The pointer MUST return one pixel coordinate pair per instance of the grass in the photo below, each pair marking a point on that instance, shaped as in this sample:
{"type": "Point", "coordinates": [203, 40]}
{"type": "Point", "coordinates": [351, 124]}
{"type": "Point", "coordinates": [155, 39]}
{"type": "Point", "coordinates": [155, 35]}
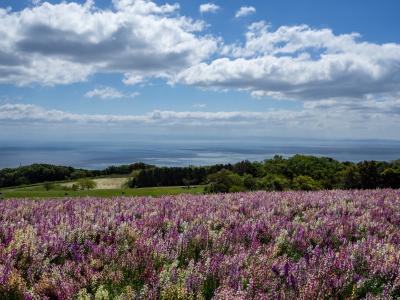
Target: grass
{"type": "Point", "coordinates": [38, 191]}
{"type": "Point", "coordinates": [104, 183]}
{"type": "Point", "coordinates": [106, 187]}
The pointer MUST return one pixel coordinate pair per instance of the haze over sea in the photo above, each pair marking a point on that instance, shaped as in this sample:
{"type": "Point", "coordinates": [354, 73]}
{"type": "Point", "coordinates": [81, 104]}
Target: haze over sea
{"type": "Point", "coordinates": [182, 152]}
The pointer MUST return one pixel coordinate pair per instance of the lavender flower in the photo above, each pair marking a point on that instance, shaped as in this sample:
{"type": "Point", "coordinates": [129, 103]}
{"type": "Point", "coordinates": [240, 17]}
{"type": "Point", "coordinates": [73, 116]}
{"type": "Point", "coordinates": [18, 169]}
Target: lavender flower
{"type": "Point", "coordinates": [288, 245]}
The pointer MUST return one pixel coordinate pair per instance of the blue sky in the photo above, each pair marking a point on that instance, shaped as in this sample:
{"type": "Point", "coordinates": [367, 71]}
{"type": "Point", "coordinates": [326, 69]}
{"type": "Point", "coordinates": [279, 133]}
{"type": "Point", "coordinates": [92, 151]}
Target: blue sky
{"type": "Point", "coordinates": [80, 69]}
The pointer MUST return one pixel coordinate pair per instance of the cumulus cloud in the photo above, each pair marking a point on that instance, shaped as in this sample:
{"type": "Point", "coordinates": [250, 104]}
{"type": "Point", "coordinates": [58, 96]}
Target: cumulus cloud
{"type": "Point", "coordinates": [109, 93]}
{"type": "Point", "coordinates": [245, 11]}
{"type": "Point", "coordinates": [302, 63]}
{"type": "Point", "coordinates": [67, 42]}
{"type": "Point", "coordinates": [208, 8]}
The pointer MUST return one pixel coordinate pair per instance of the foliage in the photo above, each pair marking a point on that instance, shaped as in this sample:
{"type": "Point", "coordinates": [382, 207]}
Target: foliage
{"type": "Point", "coordinates": [33, 174]}
{"type": "Point", "coordinates": [349, 177]}
{"type": "Point", "coordinates": [169, 176]}
{"type": "Point", "coordinates": [369, 174]}
{"type": "Point", "coordinates": [246, 167]}
{"type": "Point", "coordinates": [38, 173]}
{"type": "Point", "coordinates": [279, 173]}
{"type": "Point", "coordinates": [86, 184]}
{"type": "Point", "coordinates": [224, 181]}
{"type": "Point", "coordinates": [125, 169]}
{"type": "Point", "coordinates": [249, 182]}
{"type": "Point", "coordinates": [273, 182]}
{"type": "Point", "coordinates": [286, 245]}
{"type": "Point", "coordinates": [305, 183]}
{"type": "Point", "coordinates": [48, 186]}
{"type": "Point", "coordinates": [391, 178]}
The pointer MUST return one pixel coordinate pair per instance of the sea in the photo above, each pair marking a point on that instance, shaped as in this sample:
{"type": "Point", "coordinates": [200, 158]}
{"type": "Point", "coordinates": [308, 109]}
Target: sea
{"type": "Point", "coordinates": [185, 152]}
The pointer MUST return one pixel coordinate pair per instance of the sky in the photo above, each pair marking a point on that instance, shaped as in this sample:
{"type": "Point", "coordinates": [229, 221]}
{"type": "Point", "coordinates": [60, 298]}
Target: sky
{"type": "Point", "coordinates": [120, 69]}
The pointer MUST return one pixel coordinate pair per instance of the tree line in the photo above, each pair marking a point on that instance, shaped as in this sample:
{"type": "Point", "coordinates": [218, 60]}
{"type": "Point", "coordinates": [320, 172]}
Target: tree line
{"type": "Point", "coordinates": [308, 173]}
{"type": "Point", "coordinates": [299, 172]}
{"type": "Point", "coordinates": [38, 173]}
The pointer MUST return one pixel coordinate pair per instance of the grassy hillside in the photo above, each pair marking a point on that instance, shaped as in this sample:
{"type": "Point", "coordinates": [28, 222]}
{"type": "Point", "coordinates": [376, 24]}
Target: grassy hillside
{"type": "Point", "coordinates": [105, 183]}
{"type": "Point", "coordinates": [106, 187]}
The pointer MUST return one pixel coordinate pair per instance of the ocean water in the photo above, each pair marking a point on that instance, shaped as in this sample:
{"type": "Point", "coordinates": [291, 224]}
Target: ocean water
{"type": "Point", "coordinates": [98, 155]}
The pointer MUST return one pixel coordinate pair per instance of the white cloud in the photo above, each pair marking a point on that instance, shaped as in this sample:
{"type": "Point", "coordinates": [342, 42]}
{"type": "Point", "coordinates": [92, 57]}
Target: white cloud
{"type": "Point", "coordinates": [245, 11]}
{"type": "Point", "coordinates": [301, 63]}
{"type": "Point", "coordinates": [104, 93]}
{"type": "Point", "coordinates": [325, 112]}
{"type": "Point", "coordinates": [66, 42]}
{"type": "Point", "coordinates": [34, 113]}
{"type": "Point", "coordinates": [373, 119]}
{"type": "Point", "coordinates": [109, 93]}
{"type": "Point", "coordinates": [132, 79]}
{"type": "Point", "coordinates": [208, 8]}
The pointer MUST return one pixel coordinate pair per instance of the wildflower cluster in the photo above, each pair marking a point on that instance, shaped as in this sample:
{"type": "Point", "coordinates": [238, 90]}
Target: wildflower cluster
{"type": "Point", "coordinates": [287, 245]}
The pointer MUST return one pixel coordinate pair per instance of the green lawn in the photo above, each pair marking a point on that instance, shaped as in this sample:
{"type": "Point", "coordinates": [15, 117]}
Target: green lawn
{"type": "Point", "coordinates": [38, 191]}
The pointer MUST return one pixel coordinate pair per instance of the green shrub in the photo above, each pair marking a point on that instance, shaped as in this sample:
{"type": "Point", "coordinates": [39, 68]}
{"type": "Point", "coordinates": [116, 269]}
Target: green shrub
{"type": "Point", "coordinates": [305, 183]}
{"type": "Point", "coordinates": [86, 184]}
{"type": "Point", "coordinates": [224, 181]}
{"type": "Point", "coordinates": [273, 182]}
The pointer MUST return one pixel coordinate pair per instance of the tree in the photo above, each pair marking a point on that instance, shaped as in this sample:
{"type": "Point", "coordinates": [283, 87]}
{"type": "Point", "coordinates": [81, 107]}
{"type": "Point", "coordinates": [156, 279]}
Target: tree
{"type": "Point", "coordinates": [273, 182]}
{"type": "Point", "coordinates": [86, 184]}
{"type": "Point", "coordinates": [391, 178]}
{"type": "Point", "coordinates": [78, 174]}
{"type": "Point", "coordinates": [48, 186]}
{"type": "Point", "coordinates": [224, 181]}
{"type": "Point", "coordinates": [188, 182]}
{"type": "Point", "coordinates": [249, 182]}
{"type": "Point", "coordinates": [245, 167]}
{"type": "Point", "coordinates": [305, 183]}
{"type": "Point", "coordinates": [369, 175]}
{"type": "Point", "coordinates": [277, 165]}
{"type": "Point", "coordinates": [349, 178]}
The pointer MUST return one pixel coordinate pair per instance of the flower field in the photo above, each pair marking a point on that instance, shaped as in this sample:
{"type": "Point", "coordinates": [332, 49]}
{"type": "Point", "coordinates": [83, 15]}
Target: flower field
{"type": "Point", "coordinates": [288, 245]}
